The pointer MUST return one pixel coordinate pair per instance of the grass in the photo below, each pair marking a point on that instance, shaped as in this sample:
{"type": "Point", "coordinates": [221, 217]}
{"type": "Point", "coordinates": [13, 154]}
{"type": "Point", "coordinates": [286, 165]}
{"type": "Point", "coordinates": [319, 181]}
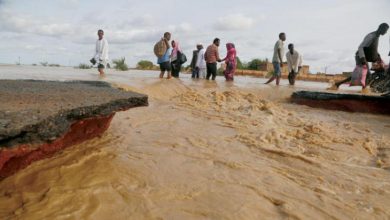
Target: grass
{"type": "Point", "coordinates": [120, 64]}
{"type": "Point", "coordinates": [84, 66]}
{"type": "Point", "coordinates": [145, 65]}
{"type": "Point", "coordinates": [47, 64]}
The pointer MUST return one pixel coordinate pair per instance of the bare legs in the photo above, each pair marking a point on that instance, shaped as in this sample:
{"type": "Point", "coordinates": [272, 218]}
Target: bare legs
{"type": "Point", "coordinates": [101, 71]}
{"type": "Point", "coordinates": [273, 78]}
{"type": "Point", "coordinates": [291, 78]}
{"type": "Point", "coordinates": [342, 82]}
{"type": "Point", "coordinates": [277, 73]}
{"type": "Point", "coordinates": [168, 76]}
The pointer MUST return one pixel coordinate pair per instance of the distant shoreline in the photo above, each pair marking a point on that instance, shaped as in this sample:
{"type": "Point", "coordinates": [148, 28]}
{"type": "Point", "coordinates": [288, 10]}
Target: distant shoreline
{"type": "Point", "coordinates": [254, 73]}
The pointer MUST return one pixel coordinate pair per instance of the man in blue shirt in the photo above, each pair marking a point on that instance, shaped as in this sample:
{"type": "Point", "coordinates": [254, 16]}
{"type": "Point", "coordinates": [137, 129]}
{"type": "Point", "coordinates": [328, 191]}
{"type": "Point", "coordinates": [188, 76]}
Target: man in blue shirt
{"type": "Point", "coordinates": [165, 60]}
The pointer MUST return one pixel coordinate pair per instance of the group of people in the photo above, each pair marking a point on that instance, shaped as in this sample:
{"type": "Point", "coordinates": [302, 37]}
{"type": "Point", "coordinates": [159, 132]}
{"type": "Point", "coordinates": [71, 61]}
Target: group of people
{"type": "Point", "coordinates": [170, 62]}
{"type": "Point", "coordinates": [294, 61]}
{"type": "Point", "coordinates": [204, 61]}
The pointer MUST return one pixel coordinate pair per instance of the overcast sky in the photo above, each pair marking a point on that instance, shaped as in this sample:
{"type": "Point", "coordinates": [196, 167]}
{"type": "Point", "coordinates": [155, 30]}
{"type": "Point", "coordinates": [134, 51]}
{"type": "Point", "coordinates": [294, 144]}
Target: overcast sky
{"type": "Point", "coordinates": [326, 32]}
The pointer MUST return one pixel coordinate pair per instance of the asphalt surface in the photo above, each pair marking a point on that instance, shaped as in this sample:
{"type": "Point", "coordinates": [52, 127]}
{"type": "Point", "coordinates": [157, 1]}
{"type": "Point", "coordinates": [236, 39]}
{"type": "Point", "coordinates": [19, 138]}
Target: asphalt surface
{"type": "Point", "coordinates": [34, 111]}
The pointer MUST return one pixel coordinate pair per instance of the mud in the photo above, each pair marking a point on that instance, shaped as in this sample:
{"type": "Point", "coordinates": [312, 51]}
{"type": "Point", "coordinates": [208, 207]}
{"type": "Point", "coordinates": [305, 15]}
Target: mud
{"type": "Point", "coordinates": [205, 150]}
{"type": "Point", "coordinates": [18, 157]}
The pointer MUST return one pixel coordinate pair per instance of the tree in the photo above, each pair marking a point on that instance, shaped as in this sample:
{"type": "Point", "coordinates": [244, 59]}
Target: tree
{"type": "Point", "coordinates": [120, 64]}
{"type": "Point", "coordinates": [240, 65]}
{"type": "Point", "coordinates": [255, 63]}
{"type": "Point", "coordinates": [145, 65]}
{"type": "Point", "coordinates": [84, 66]}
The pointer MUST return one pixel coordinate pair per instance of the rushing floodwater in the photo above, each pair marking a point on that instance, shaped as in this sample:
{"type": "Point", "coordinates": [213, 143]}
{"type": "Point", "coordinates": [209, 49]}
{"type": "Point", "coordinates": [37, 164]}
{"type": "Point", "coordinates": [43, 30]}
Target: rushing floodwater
{"type": "Point", "coordinates": [209, 150]}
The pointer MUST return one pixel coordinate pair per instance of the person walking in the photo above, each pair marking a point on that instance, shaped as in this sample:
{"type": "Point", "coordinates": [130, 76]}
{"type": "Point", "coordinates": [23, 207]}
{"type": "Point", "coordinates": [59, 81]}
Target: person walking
{"type": "Point", "coordinates": [201, 62]}
{"type": "Point", "coordinates": [388, 73]}
{"type": "Point", "coordinates": [367, 52]}
{"type": "Point", "coordinates": [230, 61]}
{"type": "Point", "coordinates": [165, 60]}
{"type": "Point", "coordinates": [294, 63]}
{"type": "Point", "coordinates": [211, 58]}
{"type": "Point", "coordinates": [101, 52]}
{"type": "Point", "coordinates": [176, 59]}
{"type": "Point", "coordinates": [195, 53]}
{"type": "Point", "coordinates": [277, 59]}
{"type": "Point", "coordinates": [388, 66]}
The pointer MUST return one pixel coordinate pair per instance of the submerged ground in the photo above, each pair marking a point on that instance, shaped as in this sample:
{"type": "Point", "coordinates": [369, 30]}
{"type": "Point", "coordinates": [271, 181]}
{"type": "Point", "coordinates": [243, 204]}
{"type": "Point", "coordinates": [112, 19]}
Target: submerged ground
{"type": "Point", "coordinates": [205, 150]}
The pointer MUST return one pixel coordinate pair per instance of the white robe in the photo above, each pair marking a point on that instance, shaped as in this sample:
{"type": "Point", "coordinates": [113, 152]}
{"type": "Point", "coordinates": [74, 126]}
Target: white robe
{"type": "Point", "coordinates": [101, 55]}
{"type": "Point", "coordinates": [294, 61]}
{"type": "Point", "coordinates": [200, 62]}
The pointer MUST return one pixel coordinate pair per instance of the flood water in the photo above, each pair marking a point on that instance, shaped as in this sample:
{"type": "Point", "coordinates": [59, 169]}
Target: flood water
{"type": "Point", "coordinates": [209, 150]}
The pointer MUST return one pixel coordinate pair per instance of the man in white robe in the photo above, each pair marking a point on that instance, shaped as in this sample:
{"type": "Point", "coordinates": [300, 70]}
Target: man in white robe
{"type": "Point", "coordinates": [101, 53]}
{"type": "Point", "coordinates": [201, 63]}
{"type": "Point", "coordinates": [294, 62]}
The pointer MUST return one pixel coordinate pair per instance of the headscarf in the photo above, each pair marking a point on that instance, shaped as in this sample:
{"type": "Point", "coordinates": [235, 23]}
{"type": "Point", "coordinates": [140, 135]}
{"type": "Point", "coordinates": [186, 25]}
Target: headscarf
{"type": "Point", "coordinates": [176, 49]}
{"type": "Point", "coordinates": [231, 51]}
{"type": "Point", "coordinates": [230, 45]}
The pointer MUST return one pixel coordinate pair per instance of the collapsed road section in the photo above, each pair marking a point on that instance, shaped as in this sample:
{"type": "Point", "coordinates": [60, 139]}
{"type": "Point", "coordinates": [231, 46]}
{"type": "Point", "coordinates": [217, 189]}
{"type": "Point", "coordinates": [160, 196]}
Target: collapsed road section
{"type": "Point", "coordinates": [344, 102]}
{"type": "Point", "coordinates": [40, 118]}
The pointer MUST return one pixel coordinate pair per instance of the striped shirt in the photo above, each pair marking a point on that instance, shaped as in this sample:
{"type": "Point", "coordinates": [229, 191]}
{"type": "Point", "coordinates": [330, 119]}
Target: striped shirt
{"type": "Point", "coordinates": [212, 55]}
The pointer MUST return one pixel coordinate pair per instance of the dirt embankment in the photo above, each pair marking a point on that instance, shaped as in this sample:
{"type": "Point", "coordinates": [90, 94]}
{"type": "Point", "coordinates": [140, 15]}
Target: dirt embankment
{"type": "Point", "coordinates": [38, 118]}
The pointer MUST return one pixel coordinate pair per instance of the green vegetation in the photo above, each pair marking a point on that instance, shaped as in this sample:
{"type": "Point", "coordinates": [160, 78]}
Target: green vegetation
{"type": "Point", "coordinates": [84, 66]}
{"type": "Point", "coordinates": [145, 65]}
{"type": "Point", "coordinates": [120, 64]}
{"type": "Point", "coordinates": [220, 71]}
{"type": "Point", "coordinates": [47, 64]}
{"type": "Point", "coordinates": [240, 65]}
{"type": "Point", "coordinates": [256, 63]}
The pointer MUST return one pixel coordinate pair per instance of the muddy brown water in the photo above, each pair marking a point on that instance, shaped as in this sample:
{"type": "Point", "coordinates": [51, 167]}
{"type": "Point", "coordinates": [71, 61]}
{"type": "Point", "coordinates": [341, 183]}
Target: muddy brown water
{"type": "Point", "coordinates": [205, 150]}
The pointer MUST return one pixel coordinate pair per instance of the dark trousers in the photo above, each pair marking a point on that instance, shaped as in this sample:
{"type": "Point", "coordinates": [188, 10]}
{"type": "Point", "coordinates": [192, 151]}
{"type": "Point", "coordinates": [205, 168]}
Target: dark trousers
{"type": "Point", "coordinates": [211, 71]}
{"type": "Point", "coordinates": [195, 73]}
{"type": "Point", "coordinates": [291, 77]}
{"type": "Point", "coordinates": [176, 67]}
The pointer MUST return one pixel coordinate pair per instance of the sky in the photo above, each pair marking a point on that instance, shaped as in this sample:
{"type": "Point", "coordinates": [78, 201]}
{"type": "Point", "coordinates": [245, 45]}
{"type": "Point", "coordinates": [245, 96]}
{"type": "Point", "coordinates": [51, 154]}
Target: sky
{"type": "Point", "coordinates": [326, 32]}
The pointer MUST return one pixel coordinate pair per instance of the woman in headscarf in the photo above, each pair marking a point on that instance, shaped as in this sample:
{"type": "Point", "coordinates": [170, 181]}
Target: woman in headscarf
{"type": "Point", "coordinates": [231, 62]}
{"type": "Point", "coordinates": [175, 59]}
